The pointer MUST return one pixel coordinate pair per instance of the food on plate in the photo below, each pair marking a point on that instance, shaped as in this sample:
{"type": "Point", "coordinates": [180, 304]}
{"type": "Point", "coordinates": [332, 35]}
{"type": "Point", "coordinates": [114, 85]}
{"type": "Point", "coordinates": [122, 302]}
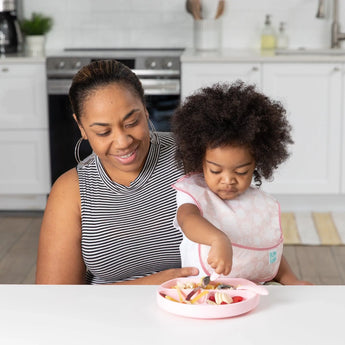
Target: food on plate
{"type": "Point", "coordinates": [201, 285]}
{"type": "Point", "coordinates": [201, 293]}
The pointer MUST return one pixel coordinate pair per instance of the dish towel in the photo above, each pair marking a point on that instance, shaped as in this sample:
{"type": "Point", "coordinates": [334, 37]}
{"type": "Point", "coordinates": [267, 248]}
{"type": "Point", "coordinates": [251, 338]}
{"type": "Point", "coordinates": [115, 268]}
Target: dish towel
{"type": "Point", "coordinates": [313, 228]}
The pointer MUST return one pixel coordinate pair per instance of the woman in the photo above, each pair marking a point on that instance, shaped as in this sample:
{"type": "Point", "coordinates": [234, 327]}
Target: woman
{"type": "Point", "coordinates": [110, 219]}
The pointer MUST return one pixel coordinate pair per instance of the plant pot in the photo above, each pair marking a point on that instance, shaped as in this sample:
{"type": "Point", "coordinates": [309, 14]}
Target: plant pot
{"type": "Point", "coordinates": [35, 45]}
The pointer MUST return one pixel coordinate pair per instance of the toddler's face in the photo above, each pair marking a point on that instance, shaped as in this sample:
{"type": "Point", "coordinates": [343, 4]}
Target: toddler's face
{"type": "Point", "coordinates": [228, 170]}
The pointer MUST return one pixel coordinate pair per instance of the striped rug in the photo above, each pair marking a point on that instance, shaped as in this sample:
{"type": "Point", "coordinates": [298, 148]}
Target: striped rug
{"type": "Point", "coordinates": [327, 228]}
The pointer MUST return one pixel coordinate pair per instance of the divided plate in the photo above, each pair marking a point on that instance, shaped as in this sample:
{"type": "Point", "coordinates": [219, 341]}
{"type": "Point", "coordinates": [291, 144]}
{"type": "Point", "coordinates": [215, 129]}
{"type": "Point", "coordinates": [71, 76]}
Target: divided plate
{"type": "Point", "coordinates": [204, 310]}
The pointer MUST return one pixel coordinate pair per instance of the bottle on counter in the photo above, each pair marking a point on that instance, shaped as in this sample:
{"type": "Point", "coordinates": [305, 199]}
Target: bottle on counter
{"type": "Point", "coordinates": [268, 36]}
{"type": "Point", "coordinates": [282, 37]}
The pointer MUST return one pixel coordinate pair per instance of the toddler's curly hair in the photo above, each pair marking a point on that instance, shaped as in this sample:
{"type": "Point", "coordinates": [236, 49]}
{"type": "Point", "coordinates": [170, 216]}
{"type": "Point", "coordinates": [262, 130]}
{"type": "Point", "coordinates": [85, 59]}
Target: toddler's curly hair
{"type": "Point", "coordinates": [232, 114]}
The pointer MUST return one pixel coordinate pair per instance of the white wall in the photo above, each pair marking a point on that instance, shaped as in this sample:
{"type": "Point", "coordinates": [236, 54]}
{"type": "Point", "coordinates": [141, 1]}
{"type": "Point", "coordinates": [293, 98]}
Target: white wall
{"type": "Point", "coordinates": [165, 23]}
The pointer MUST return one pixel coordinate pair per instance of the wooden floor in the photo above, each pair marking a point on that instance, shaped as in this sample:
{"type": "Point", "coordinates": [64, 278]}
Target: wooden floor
{"type": "Point", "coordinates": [19, 233]}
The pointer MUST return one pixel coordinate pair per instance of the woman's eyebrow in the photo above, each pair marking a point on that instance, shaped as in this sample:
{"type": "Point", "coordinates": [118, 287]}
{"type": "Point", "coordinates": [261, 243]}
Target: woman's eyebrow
{"type": "Point", "coordinates": [107, 124]}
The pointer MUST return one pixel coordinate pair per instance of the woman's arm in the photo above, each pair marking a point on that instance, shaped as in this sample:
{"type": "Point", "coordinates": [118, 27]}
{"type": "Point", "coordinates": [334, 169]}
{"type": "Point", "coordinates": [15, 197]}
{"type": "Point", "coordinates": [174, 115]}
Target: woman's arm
{"type": "Point", "coordinates": [161, 277]}
{"type": "Point", "coordinates": [200, 230]}
{"type": "Point", "coordinates": [286, 276]}
{"type": "Point", "coordinates": [59, 259]}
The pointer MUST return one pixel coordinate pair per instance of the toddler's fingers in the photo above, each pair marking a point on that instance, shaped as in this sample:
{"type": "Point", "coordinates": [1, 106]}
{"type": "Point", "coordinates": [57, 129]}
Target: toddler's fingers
{"type": "Point", "coordinates": [227, 270]}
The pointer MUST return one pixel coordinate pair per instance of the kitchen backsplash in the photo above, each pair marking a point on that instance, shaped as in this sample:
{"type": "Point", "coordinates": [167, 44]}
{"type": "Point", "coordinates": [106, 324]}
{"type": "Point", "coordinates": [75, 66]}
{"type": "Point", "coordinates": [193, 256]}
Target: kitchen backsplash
{"type": "Point", "coordinates": [166, 24]}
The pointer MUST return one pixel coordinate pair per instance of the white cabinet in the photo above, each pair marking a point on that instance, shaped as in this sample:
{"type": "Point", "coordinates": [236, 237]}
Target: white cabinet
{"type": "Point", "coordinates": [23, 168]}
{"type": "Point", "coordinates": [24, 141]}
{"type": "Point", "coordinates": [196, 75]}
{"type": "Point", "coordinates": [311, 94]}
{"type": "Point", "coordinates": [23, 96]}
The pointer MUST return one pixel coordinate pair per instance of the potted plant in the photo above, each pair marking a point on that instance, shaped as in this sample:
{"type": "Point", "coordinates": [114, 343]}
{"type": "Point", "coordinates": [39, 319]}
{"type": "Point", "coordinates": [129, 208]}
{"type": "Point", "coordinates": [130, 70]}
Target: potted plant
{"type": "Point", "coordinates": [34, 29]}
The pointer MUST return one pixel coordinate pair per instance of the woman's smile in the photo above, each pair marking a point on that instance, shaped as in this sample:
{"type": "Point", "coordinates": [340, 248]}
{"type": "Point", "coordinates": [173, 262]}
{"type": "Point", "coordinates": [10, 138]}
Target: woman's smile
{"type": "Point", "coordinates": [127, 158]}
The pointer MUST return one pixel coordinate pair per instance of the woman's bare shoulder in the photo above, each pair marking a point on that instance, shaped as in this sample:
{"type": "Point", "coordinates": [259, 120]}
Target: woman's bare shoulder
{"type": "Point", "coordinates": [67, 184]}
{"type": "Point", "coordinates": [64, 196]}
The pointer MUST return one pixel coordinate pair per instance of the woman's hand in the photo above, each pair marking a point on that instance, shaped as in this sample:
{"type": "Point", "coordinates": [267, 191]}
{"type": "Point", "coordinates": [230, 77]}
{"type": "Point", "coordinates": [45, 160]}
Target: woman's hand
{"type": "Point", "coordinates": [161, 277]}
{"type": "Point", "coordinates": [220, 255]}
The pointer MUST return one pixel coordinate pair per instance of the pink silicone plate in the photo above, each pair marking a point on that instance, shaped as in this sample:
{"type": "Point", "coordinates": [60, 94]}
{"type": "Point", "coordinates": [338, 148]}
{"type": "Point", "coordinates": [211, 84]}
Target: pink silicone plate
{"type": "Point", "coordinates": [204, 310]}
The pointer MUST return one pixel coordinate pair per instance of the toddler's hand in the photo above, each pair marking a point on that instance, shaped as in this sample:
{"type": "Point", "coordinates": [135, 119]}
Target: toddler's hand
{"type": "Point", "coordinates": [220, 255]}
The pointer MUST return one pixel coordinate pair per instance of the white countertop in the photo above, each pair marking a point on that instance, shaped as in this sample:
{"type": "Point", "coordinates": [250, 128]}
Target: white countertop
{"type": "Point", "coordinates": [21, 58]}
{"type": "Point", "coordinates": [33, 314]}
{"type": "Point", "coordinates": [233, 55]}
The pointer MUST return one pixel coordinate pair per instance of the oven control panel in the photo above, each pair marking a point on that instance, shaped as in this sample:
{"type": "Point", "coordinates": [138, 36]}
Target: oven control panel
{"type": "Point", "coordinates": [143, 61]}
{"type": "Point", "coordinates": [68, 66]}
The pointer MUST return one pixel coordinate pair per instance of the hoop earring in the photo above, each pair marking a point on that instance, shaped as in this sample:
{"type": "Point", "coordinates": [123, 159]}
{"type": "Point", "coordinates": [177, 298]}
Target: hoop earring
{"type": "Point", "coordinates": [77, 150]}
{"type": "Point", "coordinates": [151, 126]}
{"type": "Point", "coordinates": [153, 132]}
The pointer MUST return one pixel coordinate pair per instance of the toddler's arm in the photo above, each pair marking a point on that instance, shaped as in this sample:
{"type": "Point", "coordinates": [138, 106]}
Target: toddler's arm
{"type": "Point", "coordinates": [200, 230]}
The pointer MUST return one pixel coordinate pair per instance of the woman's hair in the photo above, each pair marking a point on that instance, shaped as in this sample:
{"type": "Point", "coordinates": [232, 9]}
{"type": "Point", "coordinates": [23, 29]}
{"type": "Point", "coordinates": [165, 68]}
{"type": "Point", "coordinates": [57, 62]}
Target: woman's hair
{"type": "Point", "coordinates": [99, 74]}
{"type": "Point", "coordinates": [232, 114]}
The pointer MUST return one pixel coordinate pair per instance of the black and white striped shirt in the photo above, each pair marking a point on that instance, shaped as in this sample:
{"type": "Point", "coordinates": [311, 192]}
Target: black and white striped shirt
{"type": "Point", "coordinates": [128, 232]}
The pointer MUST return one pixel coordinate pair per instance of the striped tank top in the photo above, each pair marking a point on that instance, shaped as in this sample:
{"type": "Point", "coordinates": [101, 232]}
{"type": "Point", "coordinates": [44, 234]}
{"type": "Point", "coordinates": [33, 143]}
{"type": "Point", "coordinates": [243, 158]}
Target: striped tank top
{"type": "Point", "coordinates": [128, 232]}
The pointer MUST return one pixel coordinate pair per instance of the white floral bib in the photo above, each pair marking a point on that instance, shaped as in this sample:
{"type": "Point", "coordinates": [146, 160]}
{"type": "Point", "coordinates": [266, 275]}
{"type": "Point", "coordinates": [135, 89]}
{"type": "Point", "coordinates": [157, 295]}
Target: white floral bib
{"type": "Point", "coordinates": [252, 222]}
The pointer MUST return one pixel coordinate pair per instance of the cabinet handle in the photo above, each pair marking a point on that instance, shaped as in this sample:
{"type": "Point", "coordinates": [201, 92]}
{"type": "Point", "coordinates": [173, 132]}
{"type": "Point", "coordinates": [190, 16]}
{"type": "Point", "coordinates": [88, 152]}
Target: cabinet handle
{"type": "Point", "coordinates": [255, 69]}
{"type": "Point", "coordinates": [4, 69]}
{"type": "Point", "coordinates": [336, 69]}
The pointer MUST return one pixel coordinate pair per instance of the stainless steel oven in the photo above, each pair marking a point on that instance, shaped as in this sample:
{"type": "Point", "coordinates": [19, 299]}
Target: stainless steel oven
{"type": "Point", "coordinates": [157, 69]}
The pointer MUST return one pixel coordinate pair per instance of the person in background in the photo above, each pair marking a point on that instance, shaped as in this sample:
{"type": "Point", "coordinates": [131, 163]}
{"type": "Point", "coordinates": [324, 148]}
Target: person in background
{"type": "Point", "coordinates": [228, 136]}
{"type": "Point", "coordinates": [109, 220]}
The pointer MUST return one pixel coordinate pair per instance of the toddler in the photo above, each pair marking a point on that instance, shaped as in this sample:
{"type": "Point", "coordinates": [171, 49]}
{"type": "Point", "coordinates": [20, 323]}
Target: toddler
{"type": "Point", "coordinates": [228, 137]}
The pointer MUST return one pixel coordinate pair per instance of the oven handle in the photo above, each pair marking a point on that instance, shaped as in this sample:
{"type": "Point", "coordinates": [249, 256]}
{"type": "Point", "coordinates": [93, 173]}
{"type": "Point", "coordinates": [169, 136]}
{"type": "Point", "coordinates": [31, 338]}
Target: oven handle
{"type": "Point", "coordinates": [157, 72]}
{"type": "Point", "coordinates": [58, 86]}
{"type": "Point", "coordinates": [161, 86]}
{"type": "Point", "coordinates": [151, 86]}
{"type": "Point", "coordinates": [146, 73]}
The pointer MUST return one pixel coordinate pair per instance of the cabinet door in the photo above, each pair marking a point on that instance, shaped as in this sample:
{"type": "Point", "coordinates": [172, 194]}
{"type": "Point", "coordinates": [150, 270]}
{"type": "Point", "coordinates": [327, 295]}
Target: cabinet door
{"type": "Point", "coordinates": [311, 93]}
{"type": "Point", "coordinates": [23, 96]}
{"type": "Point", "coordinates": [197, 75]}
{"type": "Point", "coordinates": [24, 162]}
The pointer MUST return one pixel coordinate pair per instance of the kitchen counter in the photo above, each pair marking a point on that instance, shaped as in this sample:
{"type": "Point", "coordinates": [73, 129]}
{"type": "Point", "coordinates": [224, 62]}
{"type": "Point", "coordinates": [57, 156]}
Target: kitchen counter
{"type": "Point", "coordinates": [21, 58]}
{"type": "Point", "coordinates": [129, 314]}
{"type": "Point", "coordinates": [232, 55]}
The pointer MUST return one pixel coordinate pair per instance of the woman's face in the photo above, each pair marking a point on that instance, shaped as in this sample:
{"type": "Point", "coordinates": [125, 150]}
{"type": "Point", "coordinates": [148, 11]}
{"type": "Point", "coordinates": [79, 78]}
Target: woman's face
{"type": "Point", "coordinates": [228, 170]}
{"type": "Point", "coordinates": [114, 121]}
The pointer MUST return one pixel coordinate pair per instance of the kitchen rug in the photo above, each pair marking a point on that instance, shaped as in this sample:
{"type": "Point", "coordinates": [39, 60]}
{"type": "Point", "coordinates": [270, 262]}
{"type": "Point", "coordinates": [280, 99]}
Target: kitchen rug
{"type": "Point", "coordinates": [313, 228]}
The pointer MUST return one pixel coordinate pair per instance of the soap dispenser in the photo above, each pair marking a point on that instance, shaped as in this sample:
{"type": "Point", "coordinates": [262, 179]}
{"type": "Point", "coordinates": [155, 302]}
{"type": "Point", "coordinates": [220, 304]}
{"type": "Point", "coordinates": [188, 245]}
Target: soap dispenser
{"type": "Point", "coordinates": [282, 38]}
{"type": "Point", "coordinates": [268, 37]}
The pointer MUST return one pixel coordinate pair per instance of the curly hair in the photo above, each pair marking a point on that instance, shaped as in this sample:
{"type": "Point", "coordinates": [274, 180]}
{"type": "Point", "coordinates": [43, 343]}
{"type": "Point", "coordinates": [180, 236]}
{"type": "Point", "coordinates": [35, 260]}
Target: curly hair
{"type": "Point", "coordinates": [232, 114]}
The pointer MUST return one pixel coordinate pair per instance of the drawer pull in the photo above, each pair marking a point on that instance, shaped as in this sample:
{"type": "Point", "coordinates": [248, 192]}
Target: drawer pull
{"type": "Point", "coordinates": [4, 69]}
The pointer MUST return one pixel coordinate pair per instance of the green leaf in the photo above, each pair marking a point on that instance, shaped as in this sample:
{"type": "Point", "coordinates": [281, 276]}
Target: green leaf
{"type": "Point", "coordinates": [38, 24]}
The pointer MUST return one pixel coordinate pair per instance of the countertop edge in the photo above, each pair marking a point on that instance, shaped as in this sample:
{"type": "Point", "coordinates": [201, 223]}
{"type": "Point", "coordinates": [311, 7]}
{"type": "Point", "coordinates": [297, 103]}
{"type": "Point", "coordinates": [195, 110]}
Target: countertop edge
{"type": "Point", "coordinates": [9, 59]}
{"type": "Point", "coordinates": [254, 56]}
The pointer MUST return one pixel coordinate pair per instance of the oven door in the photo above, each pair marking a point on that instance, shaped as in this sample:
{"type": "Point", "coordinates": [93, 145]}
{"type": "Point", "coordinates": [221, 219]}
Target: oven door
{"type": "Point", "coordinates": [162, 97]}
